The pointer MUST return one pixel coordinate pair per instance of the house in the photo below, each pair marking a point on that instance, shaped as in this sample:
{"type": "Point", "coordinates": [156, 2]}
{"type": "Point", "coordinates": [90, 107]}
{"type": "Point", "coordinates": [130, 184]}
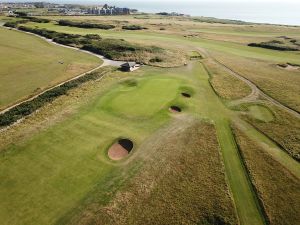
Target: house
{"type": "Point", "coordinates": [129, 66]}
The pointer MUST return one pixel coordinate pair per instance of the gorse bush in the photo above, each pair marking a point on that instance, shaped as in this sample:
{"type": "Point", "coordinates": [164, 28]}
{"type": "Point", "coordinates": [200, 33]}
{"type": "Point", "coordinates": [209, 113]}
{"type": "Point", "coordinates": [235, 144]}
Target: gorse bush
{"type": "Point", "coordinates": [133, 27]}
{"type": "Point", "coordinates": [110, 48]}
{"type": "Point", "coordinates": [276, 45]}
{"type": "Point", "coordinates": [14, 24]}
{"type": "Point", "coordinates": [85, 25]}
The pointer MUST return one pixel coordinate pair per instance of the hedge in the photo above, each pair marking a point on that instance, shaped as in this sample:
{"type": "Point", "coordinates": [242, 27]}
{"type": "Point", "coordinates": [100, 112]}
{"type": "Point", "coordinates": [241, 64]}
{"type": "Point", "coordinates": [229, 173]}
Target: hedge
{"type": "Point", "coordinates": [26, 108]}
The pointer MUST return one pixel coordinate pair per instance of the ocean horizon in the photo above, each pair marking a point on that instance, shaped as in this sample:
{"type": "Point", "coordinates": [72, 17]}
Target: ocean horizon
{"type": "Point", "coordinates": [274, 12]}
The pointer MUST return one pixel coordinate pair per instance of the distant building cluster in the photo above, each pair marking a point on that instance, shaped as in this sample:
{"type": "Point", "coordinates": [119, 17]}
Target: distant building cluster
{"type": "Point", "coordinates": [108, 10]}
{"type": "Point", "coordinates": [66, 9]}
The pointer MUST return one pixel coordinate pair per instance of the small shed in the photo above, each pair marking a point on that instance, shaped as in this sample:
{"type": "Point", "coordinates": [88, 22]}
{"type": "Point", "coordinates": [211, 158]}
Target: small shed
{"type": "Point", "coordinates": [129, 66]}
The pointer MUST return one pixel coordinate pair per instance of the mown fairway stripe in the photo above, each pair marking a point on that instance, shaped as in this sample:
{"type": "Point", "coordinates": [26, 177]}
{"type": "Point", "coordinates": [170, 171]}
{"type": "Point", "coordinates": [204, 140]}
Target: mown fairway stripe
{"type": "Point", "coordinates": [244, 197]}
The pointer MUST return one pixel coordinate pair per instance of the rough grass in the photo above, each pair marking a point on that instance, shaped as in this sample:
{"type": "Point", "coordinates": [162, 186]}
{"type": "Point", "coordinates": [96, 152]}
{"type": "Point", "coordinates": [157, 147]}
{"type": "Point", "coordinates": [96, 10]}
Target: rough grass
{"type": "Point", "coordinates": [227, 86]}
{"type": "Point", "coordinates": [277, 188]}
{"type": "Point", "coordinates": [28, 65]}
{"type": "Point", "coordinates": [282, 85]}
{"type": "Point", "coordinates": [182, 181]}
{"type": "Point", "coordinates": [283, 129]}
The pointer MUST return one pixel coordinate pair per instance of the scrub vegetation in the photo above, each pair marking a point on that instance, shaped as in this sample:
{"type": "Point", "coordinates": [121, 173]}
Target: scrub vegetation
{"type": "Point", "coordinates": [116, 49]}
{"type": "Point", "coordinates": [85, 25]}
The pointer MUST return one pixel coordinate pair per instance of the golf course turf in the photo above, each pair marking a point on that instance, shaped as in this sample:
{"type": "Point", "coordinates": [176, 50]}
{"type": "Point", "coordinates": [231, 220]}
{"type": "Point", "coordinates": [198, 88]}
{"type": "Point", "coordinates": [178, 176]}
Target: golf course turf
{"type": "Point", "coordinates": [192, 144]}
{"type": "Point", "coordinates": [25, 60]}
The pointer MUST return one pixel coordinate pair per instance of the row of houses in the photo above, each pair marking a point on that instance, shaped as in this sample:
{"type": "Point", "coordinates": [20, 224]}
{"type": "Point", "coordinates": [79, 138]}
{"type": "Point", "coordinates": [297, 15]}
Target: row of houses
{"type": "Point", "coordinates": [108, 10]}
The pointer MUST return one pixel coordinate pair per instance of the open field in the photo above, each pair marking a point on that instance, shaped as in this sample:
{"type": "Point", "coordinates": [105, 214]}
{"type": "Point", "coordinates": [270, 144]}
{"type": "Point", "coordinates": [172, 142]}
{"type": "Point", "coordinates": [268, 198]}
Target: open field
{"type": "Point", "coordinates": [24, 72]}
{"type": "Point", "coordinates": [187, 164]}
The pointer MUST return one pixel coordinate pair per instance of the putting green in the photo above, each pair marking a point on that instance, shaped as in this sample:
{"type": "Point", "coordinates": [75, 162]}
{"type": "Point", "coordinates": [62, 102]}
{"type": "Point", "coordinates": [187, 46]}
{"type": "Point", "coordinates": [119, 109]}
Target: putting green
{"type": "Point", "coordinates": [144, 100]}
{"type": "Point", "coordinates": [260, 113]}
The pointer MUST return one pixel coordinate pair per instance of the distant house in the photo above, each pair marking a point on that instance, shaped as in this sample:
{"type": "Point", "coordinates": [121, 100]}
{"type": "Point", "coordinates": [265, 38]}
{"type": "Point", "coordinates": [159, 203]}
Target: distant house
{"type": "Point", "coordinates": [108, 10]}
{"type": "Point", "coordinates": [129, 66]}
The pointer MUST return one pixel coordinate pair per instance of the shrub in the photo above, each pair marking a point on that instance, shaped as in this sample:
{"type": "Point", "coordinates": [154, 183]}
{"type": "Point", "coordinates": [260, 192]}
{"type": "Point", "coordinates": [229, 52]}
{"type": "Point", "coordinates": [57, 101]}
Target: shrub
{"type": "Point", "coordinates": [133, 27]}
{"type": "Point", "coordinates": [14, 24]}
{"type": "Point", "coordinates": [156, 59]}
{"type": "Point", "coordinates": [26, 108]}
{"type": "Point", "coordinates": [93, 36]}
{"type": "Point", "coordinates": [85, 25]}
{"type": "Point", "coordinates": [274, 46]}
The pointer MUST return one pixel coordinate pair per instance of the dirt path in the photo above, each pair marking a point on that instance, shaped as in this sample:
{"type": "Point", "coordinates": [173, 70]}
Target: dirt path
{"type": "Point", "coordinates": [106, 62]}
{"type": "Point", "coordinates": [256, 91]}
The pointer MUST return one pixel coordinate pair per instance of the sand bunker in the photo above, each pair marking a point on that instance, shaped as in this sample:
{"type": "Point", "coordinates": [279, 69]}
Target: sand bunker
{"type": "Point", "coordinates": [174, 108]}
{"type": "Point", "coordinates": [289, 66]}
{"type": "Point", "coordinates": [120, 149]}
{"type": "Point", "coordinates": [185, 95]}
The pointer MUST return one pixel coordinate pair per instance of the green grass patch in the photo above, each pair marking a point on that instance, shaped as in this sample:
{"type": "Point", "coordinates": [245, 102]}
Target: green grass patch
{"type": "Point", "coordinates": [260, 113]}
{"type": "Point", "coordinates": [156, 92]}
{"type": "Point", "coordinates": [30, 65]}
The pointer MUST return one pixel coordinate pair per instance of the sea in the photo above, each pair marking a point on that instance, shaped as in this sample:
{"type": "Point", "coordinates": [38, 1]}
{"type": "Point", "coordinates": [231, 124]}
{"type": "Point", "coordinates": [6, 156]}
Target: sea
{"type": "Point", "coordinates": [283, 12]}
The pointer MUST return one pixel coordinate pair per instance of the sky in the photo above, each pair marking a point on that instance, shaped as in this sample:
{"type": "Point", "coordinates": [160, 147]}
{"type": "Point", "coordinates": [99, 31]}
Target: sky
{"type": "Point", "coordinates": [264, 11]}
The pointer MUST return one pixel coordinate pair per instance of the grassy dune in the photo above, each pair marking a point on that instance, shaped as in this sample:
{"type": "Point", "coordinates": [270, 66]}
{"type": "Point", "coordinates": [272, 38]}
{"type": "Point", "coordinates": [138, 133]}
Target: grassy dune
{"type": "Point", "coordinates": [279, 191]}
{"type": "Point", "coordinates": [30, 65]}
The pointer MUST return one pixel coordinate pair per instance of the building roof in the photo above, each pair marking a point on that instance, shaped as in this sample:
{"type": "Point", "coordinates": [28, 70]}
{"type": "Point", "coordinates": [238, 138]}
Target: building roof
{"type": "Point", "coordinates": [128, 64]}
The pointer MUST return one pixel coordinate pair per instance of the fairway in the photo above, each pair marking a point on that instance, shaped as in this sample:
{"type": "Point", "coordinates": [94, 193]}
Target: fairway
{"type": "Point", "coordinates": [29, 64]}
